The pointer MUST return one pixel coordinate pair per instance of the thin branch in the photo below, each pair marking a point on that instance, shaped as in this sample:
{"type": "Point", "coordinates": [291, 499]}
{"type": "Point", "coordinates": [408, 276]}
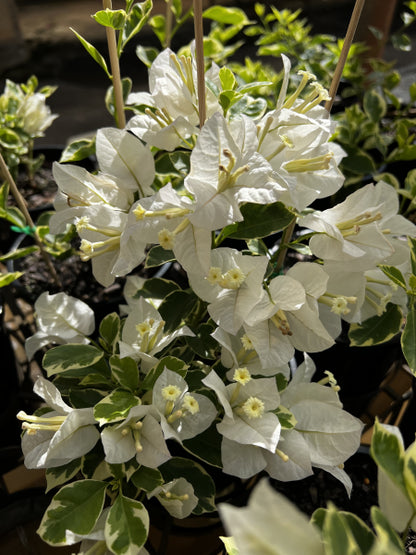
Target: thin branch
{"type": "Point", "coordinates": [352, 27]}
{"type": "Point", "coordinates": [287, 236]}
{"type": "Point", "coordinates": [21, 203]}
{"type": "Point", "coordinates": [200, 63]}
{"type": "Point", "coordinates": [115, 71]}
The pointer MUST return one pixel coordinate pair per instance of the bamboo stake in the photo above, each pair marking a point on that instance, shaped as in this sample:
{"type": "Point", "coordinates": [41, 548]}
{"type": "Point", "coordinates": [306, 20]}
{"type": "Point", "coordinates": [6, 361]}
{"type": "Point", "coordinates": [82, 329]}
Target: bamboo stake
{"type": "Point", "coordinates": [21, 203]}
{"type": "Point", "coordinates": [200, 63]}
{"type": "Point", "coordinates": [352, 26]}
{"type": "Point", "coordinates": [168, 24]}
{"type": "Point", "coordinates": [115, 71]}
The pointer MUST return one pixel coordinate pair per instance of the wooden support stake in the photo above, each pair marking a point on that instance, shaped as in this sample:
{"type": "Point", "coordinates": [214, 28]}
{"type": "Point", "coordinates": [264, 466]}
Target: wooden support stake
{"type": "Point", "coordinates": [115, 72]}
{"type": "Point", "coordinates": [355, 18]}
{"type": "Point", "coordinates": [200, 63]}
{"type": "Point", "coordinates": [21, 203]}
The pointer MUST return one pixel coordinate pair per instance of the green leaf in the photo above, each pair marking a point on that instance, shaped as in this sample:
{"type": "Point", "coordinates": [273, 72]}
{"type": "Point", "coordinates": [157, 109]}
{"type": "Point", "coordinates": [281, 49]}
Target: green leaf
{"type": "Point", "coordinates": [78, 150]}
{"type": "Point", "coordinates": [402, 42]}
{"type": "Point", "coordinates": [157, 24]}
{"type": "Point", "coordinates": [389, 178]}
{"type": "Point", "coordinates": [156, 288]}
{"type": "Point", "coordinates": [94, 465]}
{"type": "Point", "coordinates": [408, 340]}
{"type": "Point", "coordinates": [147, 479]}
{"type": "Point", "coordinates": [19, 253]}
{"type": "Point", "coordinates": [115, 406]}
{"type": "Point", "coordinates": [286, 418]}
{"type": "Point", "coordinates": [227, 78]}
{"type": "Point", "coordinates": [171, 363]}
{"type": "Point", "coordinates": [227, 99]}
{"type": "Point", "coordinates": [359, 163]}
{"type": "Point", "coordinates": [260, 220]}
{"type": "Point", "coordinates": [125, 371]}
{"type": "Point", "coordinates": [147, 54]}
{"type": "Point", "coordinates": [386, 534]}
{"type": "Point", "coordinates": [158, 256]}
{"type": "Point", "coordinates": [195, 474]}
{"type": "Point", "coordinates": [127, 526]}
{"type": "Point", "coordinates": [377, 329]}
{"type": "Point", "coordinates": [93, 52]}
{"type": "Point", "coordinates": [176, 307]}
{"type": "Point", "coordinates": [76, 507]}
{"type": "Point", "coordinates": [203, 344]}
{"type": "Point", "coordinates": [363, 536]}
{"type": "Point", "coordinates": [9, 138]}
{"type": "Point", "coordinates": [70, 357]}
{"type": "Point", "coordinates": [110, 328]}
{"type": "Point", "coordinates": [409, 473]}
{"type": "Point", "coordinates": [7, 279]}
{"type": "Point", "coordinates": [126, 85]}
{"type": "Point", "coordinates": [388, 453]}
{"type": "Point", "coordinates": [394, 274]}
{"type": "Point", "coordinates": [337, 536]}
{"type": "Point", "coordinates": [85, 397]}
{"type": "Point", "coordinates": [110, 18]}
{"type": "Point", "coordinates": [96, 379]}
{"type": "Point", "coordinates": [252, 107]}
{"type": "Point", "coordinates": [206, 446]}
{"type": "Point", "coordinates": [136, 19]}
{"type": "Point", "coordinates": [254, 85]}
{"type": "Point", "coordinates": [61, 474]}
{"type": "Point", "coordinates": [412, 244]}
{"type": "Point", "coordinates": [374, 105]}
{"type": "Point", "coordinates": [410, 181]}
{"type": "Point", "coordinates": [228, 16]}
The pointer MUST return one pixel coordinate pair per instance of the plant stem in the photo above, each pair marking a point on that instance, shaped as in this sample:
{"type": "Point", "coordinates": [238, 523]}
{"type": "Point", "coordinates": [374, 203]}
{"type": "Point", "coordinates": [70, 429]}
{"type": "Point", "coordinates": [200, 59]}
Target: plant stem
{"type": "Point", "coordinates": [352, 26]}
{"type": "Point", "coordinates": [287, 235]}
{"type": "Point", "coordinates": [21, 203]}
{"type": "Point", "coordinates": [115, 72]}
{"type": "Point", "coordinates": [200, 64]}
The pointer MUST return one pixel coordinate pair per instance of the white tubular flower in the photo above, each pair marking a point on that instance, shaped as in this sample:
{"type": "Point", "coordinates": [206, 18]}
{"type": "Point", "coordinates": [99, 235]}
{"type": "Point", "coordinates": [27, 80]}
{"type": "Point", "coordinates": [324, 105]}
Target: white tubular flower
{"type": "Point", "coordinates": [139, 436]}
{"type": "Point", "coordinates": [186, 414]}
{"type": "Point", "coordinates": [226, 171]}
{"type": "Point", "coordinates": [249, 425]}
{"type": "Point", "coordinates": [298, 149]}
{"type": "Point", "coordinates": [60, 319]}
{"type": "Point", "coordinates": [313, 331]}
{"type": "Point", "coordinates": [360, 231]}
{"type": "Point", "coordinates": [238, 352]}
{"type": "Point", "coordinates": [268, 327]}
{"type": "Point", "coordinates": [270, 524]}
{"type": "Point", "coordinates": [143, 334]}
{"type": "Point", "coordinates": [119, 153]}
{"type": "Point", "coordinates": [57, 437]}
{"type": "Point", "coordinates": [163, 219]}
{"type": "Point", "coordinates": [100, 228]}
{"type": "Point", "coordinates": [177, 497]}
{"type": "Point", "coordinates": [232, 287]}
{"type": "Point", "coordinates": [173, 116]}
{"type": "Point", "coordinates": [330, 434]}
{"type": "Point", "coordinates": [36, 115]}
{"type": "Point", "coordinates": [126, 168]}
{"type": "Point", "coordinates": [294, 139]}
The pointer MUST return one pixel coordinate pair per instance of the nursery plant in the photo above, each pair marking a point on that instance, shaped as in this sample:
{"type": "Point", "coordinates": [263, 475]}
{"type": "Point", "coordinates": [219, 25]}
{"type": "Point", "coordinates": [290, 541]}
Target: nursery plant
{"type": "Point", "coordinates": [190, 389]}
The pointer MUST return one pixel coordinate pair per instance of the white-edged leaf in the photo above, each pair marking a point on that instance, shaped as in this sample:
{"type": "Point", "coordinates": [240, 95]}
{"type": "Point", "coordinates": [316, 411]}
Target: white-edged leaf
{"type": "Point", "coordinates": [127, 526]}
{"type": "Point", "coordinates": [76, 507]}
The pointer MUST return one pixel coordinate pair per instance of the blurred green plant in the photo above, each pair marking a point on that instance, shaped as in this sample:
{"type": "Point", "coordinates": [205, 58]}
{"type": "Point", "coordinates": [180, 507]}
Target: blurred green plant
{"type": "Point", "coordinates": [24, 116]}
